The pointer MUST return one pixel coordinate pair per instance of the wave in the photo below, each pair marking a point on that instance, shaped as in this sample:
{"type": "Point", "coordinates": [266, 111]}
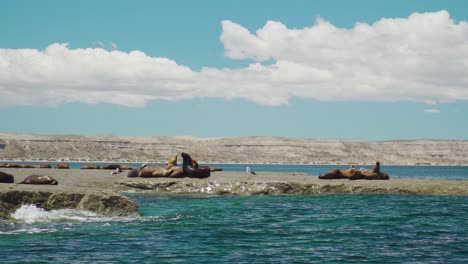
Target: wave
{"type": "Point", "coordinates": [29, 214]}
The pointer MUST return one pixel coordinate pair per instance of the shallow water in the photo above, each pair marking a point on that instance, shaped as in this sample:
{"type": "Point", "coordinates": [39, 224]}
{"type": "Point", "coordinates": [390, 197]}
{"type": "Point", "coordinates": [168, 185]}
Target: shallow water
{"type": "Point", "coordinates": [260, 229]}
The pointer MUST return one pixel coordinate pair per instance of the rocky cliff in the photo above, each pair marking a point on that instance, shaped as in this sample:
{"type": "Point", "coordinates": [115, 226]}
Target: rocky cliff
{"type": "Point", "coordinates": [231, 150]}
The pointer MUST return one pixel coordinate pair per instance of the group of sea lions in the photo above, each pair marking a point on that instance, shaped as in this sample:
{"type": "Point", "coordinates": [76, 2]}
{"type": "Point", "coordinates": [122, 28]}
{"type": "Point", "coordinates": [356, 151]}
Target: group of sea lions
{"type": "Point", "coordinates": [190, 168]}
{"type": "Point", "coordinates": [107, 167]}
{"type": "Point", "coordinates": [25, 166]}
{"type": "Point", "coordinates": [34, 166]}
{"type": "Point", "coordinates": [33, 179]}
{"type": "Point", "coordinates": [353, 174]}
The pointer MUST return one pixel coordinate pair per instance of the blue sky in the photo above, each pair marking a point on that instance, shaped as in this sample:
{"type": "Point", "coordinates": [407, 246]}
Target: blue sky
{"type": "Point", "coordinates": [220, 69]}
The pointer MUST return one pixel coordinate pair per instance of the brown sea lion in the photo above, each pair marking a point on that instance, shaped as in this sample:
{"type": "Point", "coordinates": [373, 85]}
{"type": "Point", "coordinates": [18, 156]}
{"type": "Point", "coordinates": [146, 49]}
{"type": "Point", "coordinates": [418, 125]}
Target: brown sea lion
{"type": "Point", "coordinates": [351, 173]}
{"type": "Point", "coordinates": [44, 166]}
{"type": "Point", "coordinates": [36, 179]}
{"type": "Point", "coordinates": [177, 172]}
{"type": "Point", "coordinates": [125, 167]}
{"type": "Point", "coordinates": [62, 166]}
{"type": "Point", "coordinates": [154, 172]}
{"type": "Point", "coordinates": [195, 165]}
{"type": "Point", "coordinates": [333, 174]}
{"type": "Point", "coordinates": [374, 174]}
{"type": "Point", "coordinates": [6, 177]}
{"type": "Point", "coordinates": [13, 165]}
{"type": "Point", "coordinates": [3, 165]}
{"type": "Point", "coordinates": [90, 167]}
{"type": "Point", "coordinates": [190, 170]}
{"type": "Point", "coordinates": [171, 162]}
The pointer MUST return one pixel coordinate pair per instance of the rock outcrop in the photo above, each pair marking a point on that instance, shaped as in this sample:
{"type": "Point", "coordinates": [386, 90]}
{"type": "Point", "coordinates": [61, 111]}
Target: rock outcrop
{"type": "Point", "coordinates": [247, 187]}
{"type": "Point", "coordinates": [105, 203]}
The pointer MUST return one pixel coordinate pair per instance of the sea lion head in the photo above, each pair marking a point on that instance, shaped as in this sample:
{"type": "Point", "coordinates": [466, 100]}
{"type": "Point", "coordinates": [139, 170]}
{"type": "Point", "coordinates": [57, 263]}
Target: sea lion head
{"type": "Point", "coordinates": [172, 162]}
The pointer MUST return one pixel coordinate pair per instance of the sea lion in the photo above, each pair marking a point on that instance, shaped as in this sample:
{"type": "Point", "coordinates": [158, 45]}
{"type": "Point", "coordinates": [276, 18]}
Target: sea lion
{"type": "Point", "coordinates": [195, 165]}
{"type": "Point", "coordinates": [171, 162]}
{"type": "Point", "coordinates": [377, 168]}
{"type": "Point", "coordinates": [154, 172]}
{"type": "Point", "coordinates": [133, 173]}
{"type": "Point", "coordinates": [36, 179]}
{"type": "Point", "coordinates": [177, 172]}
{"type": "Point", "coordinates": [351, 173]}
{"type": "Point", "coordinates": [44, 166]}
{"type": "Point", "coordinates": [6, 177]}
{"type": "Point", "coordinates": [111, 167]}
{"type": "Point", "coordinates": [333, 174]}
{"type": "Point", "coordinates": [125, 167]}
{"type": "Point", "coordinates": [90, 167]}
{"type": "Point", "coordinates": [374, 174]}
{"type": "Point", "coordinates": [190, 170]}
{"type": "Point", "coordinates": [13, 165]}
{"type": "Point", "coordinates": [62, 166]}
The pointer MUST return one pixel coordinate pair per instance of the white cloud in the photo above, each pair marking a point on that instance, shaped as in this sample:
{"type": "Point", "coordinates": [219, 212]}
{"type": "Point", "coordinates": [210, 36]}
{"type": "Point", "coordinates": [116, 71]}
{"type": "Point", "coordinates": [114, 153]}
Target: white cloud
{"type": "Point", "coordinates": [433, 110]}
{"type": "Point", "coordinates": [421, 58]}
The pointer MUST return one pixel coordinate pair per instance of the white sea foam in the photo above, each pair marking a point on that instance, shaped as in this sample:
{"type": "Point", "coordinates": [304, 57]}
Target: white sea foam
{"type": "Point", "coordinates": [31, 214]}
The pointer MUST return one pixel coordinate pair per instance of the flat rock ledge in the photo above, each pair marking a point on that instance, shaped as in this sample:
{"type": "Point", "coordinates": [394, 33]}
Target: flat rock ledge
{"type": "Point", "coordinates": [103, 203]}
{"type": "Point", "coordinates": [419, 187]}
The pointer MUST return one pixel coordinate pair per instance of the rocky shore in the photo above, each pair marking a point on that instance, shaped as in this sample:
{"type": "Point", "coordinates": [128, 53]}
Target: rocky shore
{"type": "Point", "coordinates": [101, 192]}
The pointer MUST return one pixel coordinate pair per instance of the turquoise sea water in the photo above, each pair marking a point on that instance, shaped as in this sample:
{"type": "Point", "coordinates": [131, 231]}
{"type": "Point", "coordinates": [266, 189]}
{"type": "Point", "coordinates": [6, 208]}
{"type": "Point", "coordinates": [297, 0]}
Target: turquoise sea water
{"type": "Point", "coordinates": [258, 229]}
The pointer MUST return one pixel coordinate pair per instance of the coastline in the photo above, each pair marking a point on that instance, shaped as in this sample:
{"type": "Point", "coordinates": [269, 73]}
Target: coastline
{"type": "Point", "coordinates": [101, 192]}
{"type": "Point", "coordinates": [225, 163]}
{"type": "Point", "coordinates": [103, 180]}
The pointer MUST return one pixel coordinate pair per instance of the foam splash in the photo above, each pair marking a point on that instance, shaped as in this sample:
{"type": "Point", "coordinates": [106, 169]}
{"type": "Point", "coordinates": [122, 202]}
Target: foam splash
{"type": "Point", "coordinates": [31, 214]}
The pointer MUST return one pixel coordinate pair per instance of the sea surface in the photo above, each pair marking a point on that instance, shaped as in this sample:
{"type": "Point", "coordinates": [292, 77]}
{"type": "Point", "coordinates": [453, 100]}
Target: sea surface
{"type": "Point", "coordinates": [257, 229]}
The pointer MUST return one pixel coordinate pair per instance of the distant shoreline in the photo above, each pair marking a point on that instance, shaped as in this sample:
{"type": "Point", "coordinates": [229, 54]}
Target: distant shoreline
{"type": "Point", "coordinates": [219, 163]}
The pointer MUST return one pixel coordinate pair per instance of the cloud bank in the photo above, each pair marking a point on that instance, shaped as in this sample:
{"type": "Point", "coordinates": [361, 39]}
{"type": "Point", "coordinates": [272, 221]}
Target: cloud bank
{"type": "Point", "coordinates": [422, 58]}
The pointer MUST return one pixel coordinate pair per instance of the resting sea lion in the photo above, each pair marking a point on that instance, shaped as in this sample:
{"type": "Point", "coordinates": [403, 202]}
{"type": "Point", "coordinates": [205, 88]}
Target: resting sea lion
{"type": "Point", "coordinates": [125, 167]}
{"type": "Point", "coordinates": [374, 174]}
{"type": "Point", "coordinates": [177, 172]}
{"type": "Point", "coordinates": [111, 167]}
{"type": "Point", "coordinates": [195, 165]}
{"type": "Point", "coordinates": [333, 174]}
{"type": "Point", "coordinates": [6, 177]}
{"type": "Point", "coordinates": [154, 171]}
{"type": "Point", "coordinates": [44, 166]}
{"type": "Point", "coordinates": [133, 173]}
{"type": "Point", "coordinates": [190, 170]}
{"type": "Point", "coordinates": [13, 165]}
{"type": "Point", "coordinates": [62, 166]}
{"type": "Point", "coordinates": [36, 179]}
{"type": "Point", "coordinates": [90, 167]}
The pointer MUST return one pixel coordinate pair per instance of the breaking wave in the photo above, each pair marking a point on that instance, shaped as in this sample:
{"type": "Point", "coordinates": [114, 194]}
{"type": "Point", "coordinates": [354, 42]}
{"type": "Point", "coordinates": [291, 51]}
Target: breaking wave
{"type": "Point", "coordinates": [30, 214]}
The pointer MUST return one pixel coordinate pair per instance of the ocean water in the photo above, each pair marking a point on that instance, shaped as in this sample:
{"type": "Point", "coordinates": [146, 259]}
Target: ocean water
{"type": "Point", "coordinates": [259, 229]}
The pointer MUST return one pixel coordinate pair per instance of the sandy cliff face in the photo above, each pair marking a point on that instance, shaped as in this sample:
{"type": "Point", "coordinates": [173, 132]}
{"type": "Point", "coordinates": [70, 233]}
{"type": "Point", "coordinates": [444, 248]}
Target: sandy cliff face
{"type": "Point", "coordinates": [231, 150]}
